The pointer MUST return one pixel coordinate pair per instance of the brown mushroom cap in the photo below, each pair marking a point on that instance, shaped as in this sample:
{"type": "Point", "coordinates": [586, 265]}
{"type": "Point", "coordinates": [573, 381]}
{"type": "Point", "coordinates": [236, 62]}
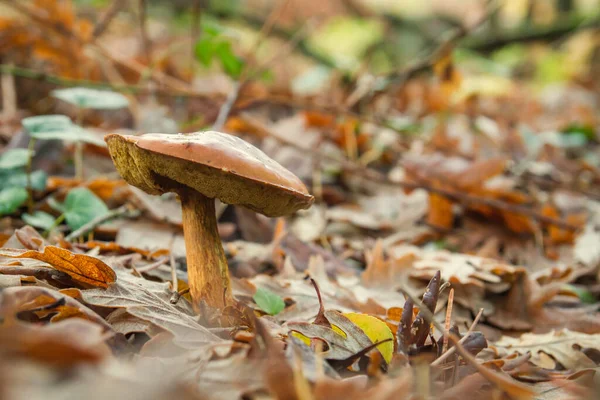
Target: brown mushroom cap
{"type": "Point", "coordinates": [215, 164]}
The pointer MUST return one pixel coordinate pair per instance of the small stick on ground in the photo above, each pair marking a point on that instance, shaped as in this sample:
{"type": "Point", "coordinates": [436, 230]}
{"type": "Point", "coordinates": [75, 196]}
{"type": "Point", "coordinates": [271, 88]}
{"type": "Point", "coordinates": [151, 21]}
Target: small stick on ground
{"type": "Point", "coordinates": [448, 353]}
{"type": "Point", "coordinates": [93, 224]}
{"type": "Point", "coordinates": [508, 385]}
{"type": "Point", "coordinates": [448, 318]}
{"type": "Point", "coordinates": [152, 266]}
{"type": "Point", "coordinates": [107, 18]}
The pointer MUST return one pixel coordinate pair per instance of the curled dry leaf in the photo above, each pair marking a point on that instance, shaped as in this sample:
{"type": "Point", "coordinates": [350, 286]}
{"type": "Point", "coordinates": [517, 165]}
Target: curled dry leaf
{"type": "Point", "coordinates": [81, 267]}
{"type": "Point", "coordinates": [458, 268]}
{"type": "Point", "coordinates": [16, 302]}
{"type": "Point", "coordinates": [548, 350]}
{"type": "Point", "coordinates": [62, 344]}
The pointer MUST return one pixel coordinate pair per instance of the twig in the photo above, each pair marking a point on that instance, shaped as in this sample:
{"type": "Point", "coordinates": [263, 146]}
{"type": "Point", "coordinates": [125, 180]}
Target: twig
{"type": "Point", "coordinates": [425, 63]}
{"type": "Point", "coordinates": [64, 81]}
{"type": "Point", "coordinates": [107, 18]}
{"type": "Point", "coordinates": [227, 106]}
{"type": "Point", "coordinates": [510, 386]}
{"type": "Point", "coordinates": [532, 33]}
{"type": "Point", "coordinates": [9, 95]}
{"type": "Point", "coordinates": [152, 266]}
{"type": "Point", "coordinates": [282, 33]}
{"type": "Point", "coordinates": [195, 30]}
{"type": "Point", "coordinates": [146, 44]}
{"type": "Point", "coordinates": [461, 197]}
{"type": "Point", "coordinates": [448, 319]}
{"type": "Point", "coordinates": [177, 295]}
{"type": "Point", "coordinates": [90, 226]}
{"type": "Point", "coordinates": [448, 353]}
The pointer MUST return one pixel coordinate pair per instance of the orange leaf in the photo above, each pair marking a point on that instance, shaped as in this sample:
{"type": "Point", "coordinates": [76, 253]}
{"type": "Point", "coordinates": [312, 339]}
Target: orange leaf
{"type": "Point", "coordinates": [517, 223]}
{"type": "Point", "coordinates": [479, 172]}
{"type": "Point", "coordinates": [105, 188]}
{"type": "Point", "coordinates": [80, 267]}
{"type": "Point", "coordinates": [449, 77]}
{"type": "Point", "coordinates": [117, 248]}
{"type": "Point", "coordinates": [318, 119]}
{"type": "Point", "coordinates": [440, 214]}
{"type": "Point", "coordinates": [558, 235]}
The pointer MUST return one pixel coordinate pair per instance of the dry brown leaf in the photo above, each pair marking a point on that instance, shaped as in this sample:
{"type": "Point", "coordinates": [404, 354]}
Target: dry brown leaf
{"type": "Point", "coordinates": [61, 344]}
{"type": "Point", "coordinates": [149, 301]}
{"type": "Point", "coordinates": [547, 349]}
{"type": "Point", "coordinates": [80, 267]}
{"type": "Point", "coordinates": [44, 302]}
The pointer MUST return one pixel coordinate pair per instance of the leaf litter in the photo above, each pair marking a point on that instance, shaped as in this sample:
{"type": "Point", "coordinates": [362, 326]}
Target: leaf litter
{"type": "Point", "coordinates": [451, 251]}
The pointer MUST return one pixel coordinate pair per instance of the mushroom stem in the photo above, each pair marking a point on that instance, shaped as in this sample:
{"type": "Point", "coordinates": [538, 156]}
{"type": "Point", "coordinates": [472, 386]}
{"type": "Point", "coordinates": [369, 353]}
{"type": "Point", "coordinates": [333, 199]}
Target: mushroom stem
{"type": "Point", "coordinates": [208, 275]}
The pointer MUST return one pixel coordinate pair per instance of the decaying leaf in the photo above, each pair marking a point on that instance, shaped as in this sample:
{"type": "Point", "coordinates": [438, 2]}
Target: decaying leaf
{"type": "Point", "coordinates": [62, 344]}
{"type": "Point", "coordinates": [339, 346]}
{"type": "Point", "coordinates": [80, 267]}
{"type": "Point", "coordinates": [150, 301]}
{"type": "Point", "coordinates": [555, 349]}
{"type": "Point", "coordinates": [21, 302]}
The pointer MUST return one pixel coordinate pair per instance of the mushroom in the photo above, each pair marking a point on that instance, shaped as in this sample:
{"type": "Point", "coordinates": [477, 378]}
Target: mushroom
{"type": "Point", "coordinates": [200, 167]}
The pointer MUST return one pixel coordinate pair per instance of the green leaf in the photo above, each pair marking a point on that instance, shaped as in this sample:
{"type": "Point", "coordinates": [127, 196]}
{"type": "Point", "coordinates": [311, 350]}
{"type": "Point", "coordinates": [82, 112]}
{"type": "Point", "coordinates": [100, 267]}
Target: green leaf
{"type": "Point", "coordinates": [18, 178]}
{"type": "Point", "coordinates": [59, 127]}
{"type": "Point", "coordinates": [83, 97]}
{"type": "Point", "coordinates": [14, 158]}
{"type": "Point", "coordinates": [232, 64]}
{"type": "Point", "coordinates": [39, 219]}
{"type": "Point", "coordinates": [584, 295]}
{"type": "Point", "coordinates": [211, 28]}
{"type": "Point", "coordinates": [268, 301]}
{"type": "Point", "coordinates": [205, 51]}
{"type": "Point", "coordinates": [47, 123]}
{"type": "Point", "coordinates": [580, 129]}
{"type": "Point", "coordinates": [55, 205]}
{"type": "Point", "coordinates": [81, 206]}
{"type": "Point", "coordinates": [11, 199]}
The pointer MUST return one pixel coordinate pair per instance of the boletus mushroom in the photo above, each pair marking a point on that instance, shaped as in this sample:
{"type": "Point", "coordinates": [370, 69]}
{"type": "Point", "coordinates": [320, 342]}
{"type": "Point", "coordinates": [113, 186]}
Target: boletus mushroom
{"type": "Point", "coordinates": [201, 167]}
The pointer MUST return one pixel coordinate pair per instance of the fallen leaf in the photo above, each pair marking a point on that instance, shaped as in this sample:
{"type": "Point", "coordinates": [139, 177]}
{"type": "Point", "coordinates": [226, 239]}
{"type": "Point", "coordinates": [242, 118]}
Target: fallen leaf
{"type": "Point", "coordinates": [17, 301]}
{"type": "Point", "coordinates": [62, 344]}
{"type": "Point", "coordinates": [80, 267]}
{"type": "Point", "coordinates": [149, 301]}
{"type": "Point", "coordinates": [340, 346]}
{"type": "Point", "coordinates": [563, 346]}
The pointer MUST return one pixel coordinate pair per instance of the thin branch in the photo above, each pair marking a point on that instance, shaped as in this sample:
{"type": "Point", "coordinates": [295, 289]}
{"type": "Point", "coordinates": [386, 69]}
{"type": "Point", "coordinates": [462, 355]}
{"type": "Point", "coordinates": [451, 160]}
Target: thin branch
{"type": "Point", "coordinates": [146, 44]}
{"type": "Point", "coordinates": [93, 224]}
{"type": "Point", "coordinates": [510, 386]}
{"type": "Point", "coordinates": [195, 30]}
{"type": "Point", "coordinates": [530, 33]}
{"type": "Point", "coordinates": [227, 106]}
{"type": "Point", "coordinates": [107, 18]}
{"type": "Point", "coordinates": [444, 47]}
{"type": "Point", "coordinates": [64, 81]}
{"type": "Point", "coordinates": [146, 268]}
{"type": "Point", "coordinates": [448, 353]}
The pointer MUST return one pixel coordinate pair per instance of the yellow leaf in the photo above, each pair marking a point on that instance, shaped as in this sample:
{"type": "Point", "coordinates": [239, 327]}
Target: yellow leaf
{"type": "Point", "coordinates": [376, 330]}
